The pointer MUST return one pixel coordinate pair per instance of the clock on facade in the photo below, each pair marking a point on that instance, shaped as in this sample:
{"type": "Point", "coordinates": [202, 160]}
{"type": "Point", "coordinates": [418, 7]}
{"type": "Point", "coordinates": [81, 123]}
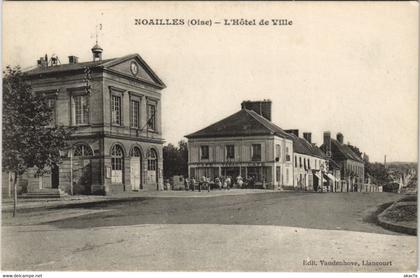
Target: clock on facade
{"type": "Point", "coordinates": [134, 68]}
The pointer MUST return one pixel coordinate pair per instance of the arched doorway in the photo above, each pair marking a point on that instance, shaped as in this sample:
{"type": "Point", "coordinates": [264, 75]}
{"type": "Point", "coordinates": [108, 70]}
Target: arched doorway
{"type": "Point", "coordinates": [135, 169]}
{"type": "Point", "coordinates": [152, 166]}
{"type": "Point", "coordinates": [117, 164]}
{"type": "Point", "coordinates": [82, 173]}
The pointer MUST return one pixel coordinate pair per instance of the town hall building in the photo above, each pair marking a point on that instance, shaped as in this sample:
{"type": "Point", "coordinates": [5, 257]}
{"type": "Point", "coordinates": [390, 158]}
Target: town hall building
{"type": "Point", "coordinates": [114, 107]}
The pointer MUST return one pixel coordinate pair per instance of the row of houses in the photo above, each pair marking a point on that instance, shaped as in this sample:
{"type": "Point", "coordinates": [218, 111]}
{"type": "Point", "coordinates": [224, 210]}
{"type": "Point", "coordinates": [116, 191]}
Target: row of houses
{"type": "Point", "coordinates": [249, 144]}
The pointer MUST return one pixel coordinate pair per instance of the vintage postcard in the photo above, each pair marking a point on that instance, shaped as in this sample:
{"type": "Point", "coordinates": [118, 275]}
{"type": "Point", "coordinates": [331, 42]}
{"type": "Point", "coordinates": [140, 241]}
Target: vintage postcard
{"type": "Point", "coordinates": [210, 137]}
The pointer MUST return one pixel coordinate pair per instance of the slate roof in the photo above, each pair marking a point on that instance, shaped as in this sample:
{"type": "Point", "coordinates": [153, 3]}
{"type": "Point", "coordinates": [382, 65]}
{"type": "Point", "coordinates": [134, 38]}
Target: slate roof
{"type": "Point", "coordinates": [301, 146]}
{"type": "Point", "coordinates": [342, 152]}
{"type": "Point", "coordinates": [242, 123]}
{"type": "Point", "coordinates": [333, 164]}
{"type": "Point", "coordinates": [94, 65]}
{"type": "Point", "coordinates": [67, 67]}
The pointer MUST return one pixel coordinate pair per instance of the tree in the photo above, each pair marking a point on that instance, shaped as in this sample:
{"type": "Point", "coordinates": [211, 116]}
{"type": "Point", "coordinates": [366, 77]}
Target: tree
{"type": "Point", "coordinates": [183, 159]}
{"type": "Point", "coordinates": [175, 159]}
{"type": "Point", "coordinates": [28, 138]}
{"type": "Point", "coordinates": [378, 172]}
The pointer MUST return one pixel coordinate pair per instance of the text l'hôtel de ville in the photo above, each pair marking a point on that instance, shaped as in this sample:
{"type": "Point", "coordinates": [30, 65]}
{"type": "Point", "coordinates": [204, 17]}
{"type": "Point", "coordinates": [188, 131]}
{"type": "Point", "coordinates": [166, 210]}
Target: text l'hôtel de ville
{"type": "Point", "coordinates": [210, 22]}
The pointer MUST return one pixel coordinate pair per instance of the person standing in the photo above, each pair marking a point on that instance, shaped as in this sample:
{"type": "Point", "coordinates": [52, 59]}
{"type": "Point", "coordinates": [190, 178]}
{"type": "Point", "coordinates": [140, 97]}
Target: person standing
{"type": "Point", "coordinates": [239, 181]}
{"type": "Point", "coordinates": [192, 184]}
{"type": "Point", "coordinates": [218, 182]}
{"type": "Point", "coordinates": [228, 182]}
{"type": "Point", "coordinates": [208, 183]}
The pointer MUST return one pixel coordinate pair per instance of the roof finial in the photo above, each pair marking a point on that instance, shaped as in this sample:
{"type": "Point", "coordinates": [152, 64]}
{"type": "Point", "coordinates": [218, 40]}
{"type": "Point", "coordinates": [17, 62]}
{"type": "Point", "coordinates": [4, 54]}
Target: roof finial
{"type": "Point", "coordinates": [97, 50]}
{"type": "Point", "coordinates": [97, 31]}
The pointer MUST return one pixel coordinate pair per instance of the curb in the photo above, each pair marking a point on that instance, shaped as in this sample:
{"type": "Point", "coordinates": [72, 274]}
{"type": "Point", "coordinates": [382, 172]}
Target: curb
{"type": "Point", "coordinates": [71, 204]}
{"type": "Point", "coordinates": [86, 203]}
{"type": "Point", "coordinates": [393, 226]}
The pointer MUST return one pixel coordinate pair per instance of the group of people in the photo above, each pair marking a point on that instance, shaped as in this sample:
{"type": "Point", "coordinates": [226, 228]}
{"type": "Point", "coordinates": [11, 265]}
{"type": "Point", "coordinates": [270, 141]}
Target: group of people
{"type": "Point", "coordinates": [222, 182]}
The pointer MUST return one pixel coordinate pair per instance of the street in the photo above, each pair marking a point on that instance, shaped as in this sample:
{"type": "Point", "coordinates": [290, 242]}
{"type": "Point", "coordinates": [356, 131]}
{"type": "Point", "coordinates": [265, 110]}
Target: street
{"type": "Point", "coordinates": [274, 231]}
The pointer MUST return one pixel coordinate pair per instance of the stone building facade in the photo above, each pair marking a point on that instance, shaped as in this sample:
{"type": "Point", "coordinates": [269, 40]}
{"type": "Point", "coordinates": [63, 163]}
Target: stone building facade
{"type": "Point", "coordinates": [246, 143]}
{"type": "Point", "coordinates": [352, 170]}
{"type": "Point", "coordinates": [114, 107]}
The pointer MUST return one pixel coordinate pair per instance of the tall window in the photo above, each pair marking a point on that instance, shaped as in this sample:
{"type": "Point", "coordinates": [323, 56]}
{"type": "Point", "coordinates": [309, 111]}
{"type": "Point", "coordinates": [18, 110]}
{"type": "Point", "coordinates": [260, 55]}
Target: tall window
{"type": "Point", "coordinates": [230, 151]}
{"type": "Point", "coordinates": [300, 161]}
{"type": "Point", "coordinates": [51, 105]}
{"type": "Point", "coordinates": [152, 160]}
{"type": "Point", "coordinates": [256, 152]}
{"type": "Point", "coordinates": [287, 154]}
{"type": "Point", "coordinates": [134, 112]}
{"type": "Point", "coordinates": [151, 116]}
{"type": "Point", "coordinates": [117, 160]}
{"type": "Point", "coordinates": [295, 161]}
{"type": "Point", "coordinates": [204, 152]}
{"type": "Point", "coordinates": [81, 109]}
{"type": "Point", "coordinates": [278, 152]}
{"type": "Point", "coordinates": [135, 152]}
{"type": "Point", "coordinates": [82, 150]}
{"type": "Point", "coordinates": [116, 110]}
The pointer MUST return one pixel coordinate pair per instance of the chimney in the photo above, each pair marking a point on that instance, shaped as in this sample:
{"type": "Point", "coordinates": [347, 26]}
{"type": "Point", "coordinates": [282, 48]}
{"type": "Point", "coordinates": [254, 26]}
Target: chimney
{"type": "Point", "coordinates": [307, 136]}
{"type": "Point", "coordinates": [293, 131]}
{"type": "Point", "coordinates": [327, 143]}
{"type": "Point", "coordinates": [340, 138]}
{"type": "Point", "coordinates": [42, 63]}
{"type": "Point", "coordinates": [262, 107]}
{"type": "Point", "coordinates": [73, 59]}
{"type": "Point", "coordinates": [54, 60]}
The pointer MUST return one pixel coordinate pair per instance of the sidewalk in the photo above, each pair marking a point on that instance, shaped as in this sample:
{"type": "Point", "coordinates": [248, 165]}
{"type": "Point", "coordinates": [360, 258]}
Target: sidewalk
{"type": "Point", "coordinates": [70, 201]}
{"type": "Point", "coordinates": [401, 216]}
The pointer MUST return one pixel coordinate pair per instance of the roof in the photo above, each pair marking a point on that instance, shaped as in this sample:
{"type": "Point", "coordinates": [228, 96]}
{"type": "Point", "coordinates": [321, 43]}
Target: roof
{"type": "Point", "coordinates": [302, 146]}
{"type": "Point", "coordinates": [102, 64]}
{"type": "Point", "coordinates": [342, 152]}
{"type": "Point", "coordinates": [333, 164]}
{"type": "Point", "coordinates": [67, 67]}
{"type": "Point", "coordinates": [242, 123]}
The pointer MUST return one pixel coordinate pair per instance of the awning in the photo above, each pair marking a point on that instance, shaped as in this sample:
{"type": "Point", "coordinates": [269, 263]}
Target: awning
{"type": "Point", "coordinates": [331, 177]}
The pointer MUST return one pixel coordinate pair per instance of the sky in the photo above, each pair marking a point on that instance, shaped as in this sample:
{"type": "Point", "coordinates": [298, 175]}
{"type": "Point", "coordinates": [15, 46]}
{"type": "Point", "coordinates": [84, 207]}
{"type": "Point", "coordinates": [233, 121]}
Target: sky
{"type": "Point", "coordinates": [340, 67]}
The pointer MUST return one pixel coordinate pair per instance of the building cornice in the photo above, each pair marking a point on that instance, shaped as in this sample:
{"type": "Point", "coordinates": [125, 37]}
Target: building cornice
{"type": "Point", "coordinates": [116, 136]}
